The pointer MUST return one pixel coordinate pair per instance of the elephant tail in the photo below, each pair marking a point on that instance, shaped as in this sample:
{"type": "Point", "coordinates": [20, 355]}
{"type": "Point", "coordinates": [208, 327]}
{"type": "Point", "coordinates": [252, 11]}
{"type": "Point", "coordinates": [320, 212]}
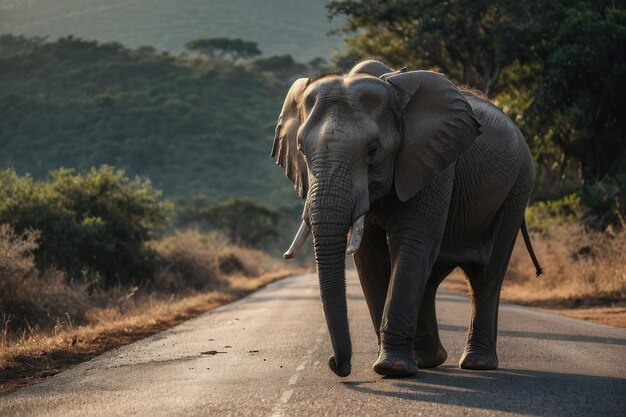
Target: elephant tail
{"type": "Point", "coordinates": [529, 247]}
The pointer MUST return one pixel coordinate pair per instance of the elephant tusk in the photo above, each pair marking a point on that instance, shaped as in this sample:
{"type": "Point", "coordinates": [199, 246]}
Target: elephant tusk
{"type": "Point", "coordinates": [298, 241]}
{"type": "Point", "coordinates": [356, 235]}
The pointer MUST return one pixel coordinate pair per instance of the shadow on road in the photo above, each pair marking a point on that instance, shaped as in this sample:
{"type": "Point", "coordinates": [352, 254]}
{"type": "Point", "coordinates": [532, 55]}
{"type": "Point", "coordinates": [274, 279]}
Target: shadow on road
{"type": "Point", "coordinates": [546, 336]}
{"type": "Point", "coordinates": [523, 392]}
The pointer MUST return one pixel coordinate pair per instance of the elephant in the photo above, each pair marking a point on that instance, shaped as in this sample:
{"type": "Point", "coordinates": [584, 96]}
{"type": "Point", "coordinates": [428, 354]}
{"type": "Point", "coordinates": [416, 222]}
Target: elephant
{"type": "Point", "coordinates": [414, 177]}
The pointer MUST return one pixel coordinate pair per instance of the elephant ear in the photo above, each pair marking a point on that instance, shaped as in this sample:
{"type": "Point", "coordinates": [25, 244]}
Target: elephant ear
{"type": "Point", "coordinates": [439, 126]}
{"type": "Point", "coordinates": [285, 148]}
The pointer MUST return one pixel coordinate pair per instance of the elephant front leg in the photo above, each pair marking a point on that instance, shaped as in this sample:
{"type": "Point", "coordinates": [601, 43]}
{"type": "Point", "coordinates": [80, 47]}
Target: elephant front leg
{"type": "Point", "coordinates": [410, 269]}
{"type": "Point", "coordinates": [374, 269]}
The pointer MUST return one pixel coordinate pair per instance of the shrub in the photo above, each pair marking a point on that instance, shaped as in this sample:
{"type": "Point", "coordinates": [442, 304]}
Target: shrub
{"type": "Point", "coordinates": [16, 263]}
{"type": "Point", "coordinates": [191, 260]}
{"type": "Point", "coordinates": [544, 216]}
{"type": "Point", "coordinates": [230, 263]}
{"type": "Point", "coordinates": [28, 300]}
{"type": "Point", "coordinates": [605, 202]}
{"type": "Point", "coordinates": [93, 226]}
{"type": "Point", "coordinates": [188, 261]}
{"type": "Point", "coordinates": [246, 261]}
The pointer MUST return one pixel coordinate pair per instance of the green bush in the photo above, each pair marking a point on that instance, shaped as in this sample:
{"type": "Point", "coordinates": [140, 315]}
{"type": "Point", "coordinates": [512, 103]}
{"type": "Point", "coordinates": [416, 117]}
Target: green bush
{"type": "Point", "coordinates": [605, 202]}
{"type": "Point", "coordinates": [241, 219]}
{"type": "Point", "coordinates": [93, 226]}
{"type": "Point", "coordinates": [544, 216]}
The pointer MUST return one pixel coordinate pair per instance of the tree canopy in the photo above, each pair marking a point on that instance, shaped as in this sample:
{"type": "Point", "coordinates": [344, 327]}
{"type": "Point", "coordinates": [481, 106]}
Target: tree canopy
{"type": "Point", "coordinates": [225, 48]}
{"type": "Point", "coordinates": [558, 68]}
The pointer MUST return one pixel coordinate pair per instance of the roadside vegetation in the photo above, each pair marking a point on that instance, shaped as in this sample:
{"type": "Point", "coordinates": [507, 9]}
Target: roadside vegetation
{"type": "Point", "coordinates": [90, 261]}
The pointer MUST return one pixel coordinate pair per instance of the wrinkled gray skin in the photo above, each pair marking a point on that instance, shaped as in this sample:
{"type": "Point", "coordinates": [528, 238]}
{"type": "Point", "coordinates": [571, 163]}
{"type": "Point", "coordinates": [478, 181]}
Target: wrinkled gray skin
{"type": "Point", "coordinates": [443, 178]}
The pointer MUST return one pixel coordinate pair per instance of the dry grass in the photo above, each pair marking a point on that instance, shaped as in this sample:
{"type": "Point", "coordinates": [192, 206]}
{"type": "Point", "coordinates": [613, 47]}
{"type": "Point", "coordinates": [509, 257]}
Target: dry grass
{"type": "Point", "coordinates": [50, 324]}
{"type": "Point", "coordinates": [581, 269]}
{"type": "Point", "coordinates": [584, 275]}
{"type": "Point", "coordinates": [45, 353]}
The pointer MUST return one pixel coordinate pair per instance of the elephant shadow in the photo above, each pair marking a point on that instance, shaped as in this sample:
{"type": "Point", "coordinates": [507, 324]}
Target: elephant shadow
{"type": "Point", "coordinates": [546, 336]}
{"type": "Point", "coordinates": [524, 392]}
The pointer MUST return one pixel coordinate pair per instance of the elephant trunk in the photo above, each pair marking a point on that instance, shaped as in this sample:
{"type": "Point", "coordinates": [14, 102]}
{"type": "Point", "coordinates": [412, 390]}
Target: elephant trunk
{"type": "Point", "coordinates": [330, 219]}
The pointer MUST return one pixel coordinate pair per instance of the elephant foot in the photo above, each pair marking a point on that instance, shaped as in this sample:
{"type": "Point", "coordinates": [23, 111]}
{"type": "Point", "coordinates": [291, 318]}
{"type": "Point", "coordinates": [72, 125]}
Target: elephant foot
{"type": "Point", "coordinates": [395, 363]}
{"type": "Point", "coordinates": [430, 358]}
{"type": "Point", "coordinates": [478, 361]}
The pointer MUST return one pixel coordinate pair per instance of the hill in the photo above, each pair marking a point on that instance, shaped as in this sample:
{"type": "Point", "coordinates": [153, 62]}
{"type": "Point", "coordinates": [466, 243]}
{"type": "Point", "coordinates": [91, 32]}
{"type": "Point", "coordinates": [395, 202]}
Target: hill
{"type": "Point", "coordinates": [280, 27]}
{"type": "Point", "coordinates": [191, 125]}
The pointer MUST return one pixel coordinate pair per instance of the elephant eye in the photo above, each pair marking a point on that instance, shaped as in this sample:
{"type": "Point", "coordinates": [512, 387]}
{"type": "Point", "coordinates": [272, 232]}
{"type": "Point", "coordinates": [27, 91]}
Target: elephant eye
{"type": "Point", "coordinates": [373, 150]}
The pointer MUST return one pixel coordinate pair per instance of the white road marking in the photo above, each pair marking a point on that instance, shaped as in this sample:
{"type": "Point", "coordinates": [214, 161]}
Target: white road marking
{"type": "Point", "coordinates": [279, 408]}
{"type": "Point", "coordinates": [293, 379]}
{"type": "Point", "coordinates": [286, 396]}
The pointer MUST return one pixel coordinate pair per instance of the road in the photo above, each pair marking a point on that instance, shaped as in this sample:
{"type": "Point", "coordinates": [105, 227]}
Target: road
{"type": "Point", "coordinates": [272, 353]}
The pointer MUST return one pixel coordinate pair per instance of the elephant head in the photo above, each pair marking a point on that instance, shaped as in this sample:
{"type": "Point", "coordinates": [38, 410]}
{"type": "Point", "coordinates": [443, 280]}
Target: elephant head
{"type": "Point", "coordinates": [346, 141]}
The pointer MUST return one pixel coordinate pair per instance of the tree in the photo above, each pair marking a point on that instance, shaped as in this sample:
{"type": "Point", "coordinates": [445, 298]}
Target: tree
{"type": "Point", "coordinates": [281, 65]}
{"type": "Point", "coordinates": [244, 221]}
{"type": "Point", "coordinates": [579, 105]}
{"type": "Point", "coordinates": [93, 226]}
{"type": "Point", "coordinates": [472, 42]}
{"type": "Point", "coordinates": [225, 48]}
{"type": "Point", "coordinates": [558, 68]}
{"type": "Point", "coordinates": [579, 93]}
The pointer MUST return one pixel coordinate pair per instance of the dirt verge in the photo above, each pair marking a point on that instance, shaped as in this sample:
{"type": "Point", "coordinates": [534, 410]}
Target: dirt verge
{"type": "Point", "coordinates": [29, 362]}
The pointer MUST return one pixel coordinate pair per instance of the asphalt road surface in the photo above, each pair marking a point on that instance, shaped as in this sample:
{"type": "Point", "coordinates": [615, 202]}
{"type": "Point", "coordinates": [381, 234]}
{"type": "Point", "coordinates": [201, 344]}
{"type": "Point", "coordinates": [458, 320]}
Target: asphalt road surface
{"type": "Point", "coordinates": [272, 351]}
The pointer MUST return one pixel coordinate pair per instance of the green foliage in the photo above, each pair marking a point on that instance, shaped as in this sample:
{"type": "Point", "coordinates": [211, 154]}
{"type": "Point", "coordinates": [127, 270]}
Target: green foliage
{"type": "Point", "coordinates": [605, 202]}
{"type": "Point", "coordinates": [92, 226]}
{"type": "Point", "coordinates": [579, 94]}
{"type": "Point", "coordinates": [472, 42]}
{"type": "Point", "coordinates": [243, 221]}
{"type": "Point", "coordinates": [283, 65]}
{"type": "Point", "coordinates": [558, 68]}
{"type": "Point", "coordinates": [191, 125]}
{"type": "Point", "coordinates": [545, 216]}
{"type": "Point", "coordinates": [225, 48]}
{"type": "Point", "coordinates": [189, 212]}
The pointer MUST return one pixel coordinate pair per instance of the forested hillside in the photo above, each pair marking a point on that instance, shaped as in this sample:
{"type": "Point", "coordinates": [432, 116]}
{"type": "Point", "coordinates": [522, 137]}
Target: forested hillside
{"type": "Point", "coordinates": [280, 27]}
{"type": "Point", "coordinates": [190, 124]}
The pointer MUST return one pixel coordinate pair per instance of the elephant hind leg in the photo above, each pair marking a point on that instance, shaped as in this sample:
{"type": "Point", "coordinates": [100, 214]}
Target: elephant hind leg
{"type": "Point", "coordinates": [486, 283]}
{"type": "Point", "coordinates": [428, 350]}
